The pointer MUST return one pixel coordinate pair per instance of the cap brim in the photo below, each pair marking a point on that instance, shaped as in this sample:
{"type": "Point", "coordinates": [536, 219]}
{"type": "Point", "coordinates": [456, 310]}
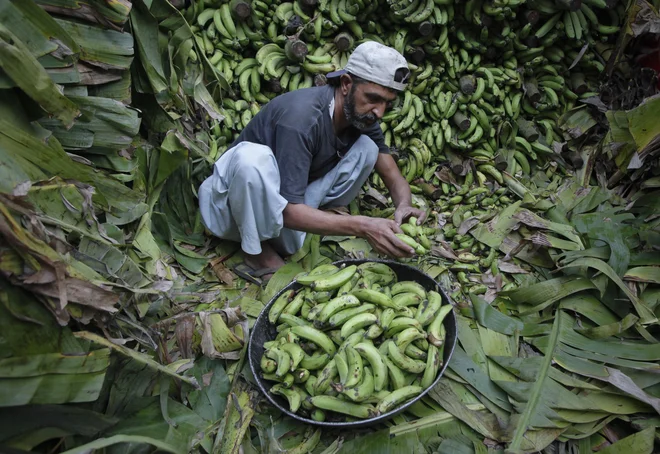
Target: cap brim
{"type": "Point", "coordinates": [336, 74]}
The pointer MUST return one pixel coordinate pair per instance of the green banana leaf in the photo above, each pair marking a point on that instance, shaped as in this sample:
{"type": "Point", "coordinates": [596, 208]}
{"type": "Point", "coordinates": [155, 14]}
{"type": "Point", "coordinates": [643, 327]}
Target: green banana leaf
{"type": "Point", "coordinates": [26, 72]}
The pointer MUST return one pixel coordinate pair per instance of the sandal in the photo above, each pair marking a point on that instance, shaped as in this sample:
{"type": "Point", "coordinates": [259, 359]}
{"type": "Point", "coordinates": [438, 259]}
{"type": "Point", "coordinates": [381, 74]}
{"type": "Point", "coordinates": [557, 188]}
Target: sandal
{"type": "Point", "coordinates": [250, 274]}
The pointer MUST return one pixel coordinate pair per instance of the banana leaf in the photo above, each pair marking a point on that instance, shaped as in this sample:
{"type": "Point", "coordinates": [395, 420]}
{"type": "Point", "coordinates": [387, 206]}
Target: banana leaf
{"type": "Point", "coordinates": [40, 160]}
{"type": "Point", "coordinates": [236, 422]}
{"type": "Point", "coordinates": [145, 29]}
{"type": "Point", "coordinates": [640, 442]}
{"type": "Point", "coordinates": [483, 422]}
{"type": "Point", "coordinates": [118, 89]}
{"type": "Point", "coordinates": [52, 378]}
{"type": "Point", "coordinates": [645, 314]}
{"type": "Point", "coordinates": [528, 370]}
{"type": "Point", "coordinates": [465, 367]}
{"type": "Point", "coordinates": [28, 328]}
{"type": "Point", "coordinates": [649, 274]}
{"type": "Point", "coordinates": [608, 226]}
{"type": "Point", "coordinates": [539, 296]}
{"type": "Point", "coordinates": [104, 48]}
{"type": "Point", "coordinates": [604, 331]}
{"type": "Point", "coordinates": [21, 66]}
{"type": "Point", "coordinates": [112, 14]}
{"type": "Point", "coordinates": [120, 439]}
{"type": "Point", "coordinates": [38, 30]}
{"type": "Point", "coordinates": [30, 425]}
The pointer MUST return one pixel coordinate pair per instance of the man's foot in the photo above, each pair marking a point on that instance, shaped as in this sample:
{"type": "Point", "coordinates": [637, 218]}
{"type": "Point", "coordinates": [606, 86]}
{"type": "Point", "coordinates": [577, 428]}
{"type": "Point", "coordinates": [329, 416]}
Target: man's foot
{"type": "Point", "coordinates": [268, 259]}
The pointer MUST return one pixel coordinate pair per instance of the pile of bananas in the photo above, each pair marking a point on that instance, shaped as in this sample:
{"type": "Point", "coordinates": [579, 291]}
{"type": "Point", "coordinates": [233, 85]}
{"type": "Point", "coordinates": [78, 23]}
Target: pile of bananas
{"type": "Point", "coordinates": [353, 342]}
{"type": "Point", "coordinates": [480, 69]}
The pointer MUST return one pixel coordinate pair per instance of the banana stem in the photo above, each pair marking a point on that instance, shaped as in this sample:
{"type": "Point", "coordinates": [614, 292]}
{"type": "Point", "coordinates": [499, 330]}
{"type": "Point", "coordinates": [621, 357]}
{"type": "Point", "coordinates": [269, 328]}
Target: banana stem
{"type": "Point", "coordinates": [468, 84]}
{"type": "Point", "coordinates": [344, 42]}
{"type": "Point", "coordinates": [417, 55]}
{"type": "Point", "coordinates": [578, 83]}
{"type": "Point", "coordinates": [456, 162]}
{"type": "Point", "coordinates": [461, 120]}
{"type": "Point", "coordinates": [295, 50]}
{"type": "Point", "coordinates": [532, 16]}
{"type": "Point", "coordinates": [532, 91]}
{"type": "Point", "coordinates": [429, 190]}
{"type": "Point", "coordinates": [241, 9]}
{"type": "Point", "coordinates": [500, 162]}
{"type": "Point", "coordinates": [425, 28]}
{"type": "Point", "coordinates": [527, 129]}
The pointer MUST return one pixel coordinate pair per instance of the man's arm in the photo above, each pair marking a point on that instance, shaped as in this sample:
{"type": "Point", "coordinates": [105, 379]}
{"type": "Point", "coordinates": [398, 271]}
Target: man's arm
{"type": "Point", "coordinates": [399, 189]}
{"type": "Point", "coordinates": [379, 232]}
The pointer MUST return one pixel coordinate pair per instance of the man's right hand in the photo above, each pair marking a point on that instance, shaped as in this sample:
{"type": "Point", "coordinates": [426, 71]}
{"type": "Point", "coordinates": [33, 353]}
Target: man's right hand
{"type": "Point", "coordinates": [380, 233]}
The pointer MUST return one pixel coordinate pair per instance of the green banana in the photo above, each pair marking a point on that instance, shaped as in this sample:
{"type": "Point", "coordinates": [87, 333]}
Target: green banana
{"type": "Point", "coordinates": [335, 305]}
{"type": "Point", "coordinates": [427, 310]}
{"type": "Point", "coordinates": [433, 363]}
{"type": "Point", "coordinates": [329, 281]}
{"type": "Point", "coordinates": [339, 318]}
{"type": "Point", "coordinates": [407, 299]}
{"type": "Point", "coordinates": [436, 328]}
{"type": "Point", "coordinates": [355, 367]}
{"type": "Point", "coordinates": [293, 395]}
{"type": "Point", "coordinates": [397, 397]}
{"type": "Point", "coordinates": [409, 287]}
{"type": "Point", "coordinates": [374, 297]}
{"type": "Point", "coordinates": [282, 359]}
{"type": "Point", "coordinates": [329, 403]}
{"type": "Point", "coordinates": [314, 362]}
{"type": "Point", "coordinates": [363, 390]}
{"type": "Point", "coordinates": [296, 353]}
{"type": "Point", "coordinates": [279, 305]}
{"type": "Point", "coordinates": [357, 322]}
{"type": "Point", "coordinates": [371, 354]}
{"type": "Point", "coordinates": [313, 335]}
{"type": "Point", "coordinates": [408, 335]}
{"type": "Point", "coordinates": [402, 361]}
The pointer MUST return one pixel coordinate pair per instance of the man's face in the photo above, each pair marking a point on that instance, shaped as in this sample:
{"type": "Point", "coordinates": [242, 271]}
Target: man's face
{"type": "Point", "coordinates": [366, 103]}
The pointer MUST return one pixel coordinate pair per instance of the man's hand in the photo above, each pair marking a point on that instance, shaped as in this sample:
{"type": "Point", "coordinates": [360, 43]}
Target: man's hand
{"type": "Point", "coordinates": [380, 233]}
{"type": "Point", "coordinates": [399, 190]}
{"type": "Point", "coordinates": [403, 212]}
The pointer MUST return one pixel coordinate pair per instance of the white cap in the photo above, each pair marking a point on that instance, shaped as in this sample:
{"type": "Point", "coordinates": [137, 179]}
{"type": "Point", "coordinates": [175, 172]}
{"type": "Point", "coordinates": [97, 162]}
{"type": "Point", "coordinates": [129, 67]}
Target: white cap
{"type": "Point", "coordinates": [376, 63]}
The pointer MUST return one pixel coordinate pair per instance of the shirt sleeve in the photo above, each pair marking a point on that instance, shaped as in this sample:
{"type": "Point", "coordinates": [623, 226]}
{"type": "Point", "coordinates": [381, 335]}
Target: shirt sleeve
{"type": "Point", "coordinates": [294, 159]}
{"type": "Point", "coordinates": [376, 134]}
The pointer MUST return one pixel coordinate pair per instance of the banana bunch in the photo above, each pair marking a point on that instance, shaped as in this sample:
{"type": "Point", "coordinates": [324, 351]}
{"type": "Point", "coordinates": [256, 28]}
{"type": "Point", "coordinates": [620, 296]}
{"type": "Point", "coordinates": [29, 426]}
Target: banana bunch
{"type": "Point", "coordinates": [220, 31]}
{"type": "Point", "coordinates": [354, 342]}
{"type": "Point", "coordinates": [478, 70]}
{"type": "Point", "coordinates": [581, 22]}
{"type": "Point", "coordinates": [414, 159]}
{"type": "Point", "coordinates": [417, 236]}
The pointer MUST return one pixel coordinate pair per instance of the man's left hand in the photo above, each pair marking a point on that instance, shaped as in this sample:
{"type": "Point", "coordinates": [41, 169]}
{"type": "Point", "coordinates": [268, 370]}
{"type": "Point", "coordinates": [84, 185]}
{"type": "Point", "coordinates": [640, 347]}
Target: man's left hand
{"type": "Point", "coordinates": [403, 212]}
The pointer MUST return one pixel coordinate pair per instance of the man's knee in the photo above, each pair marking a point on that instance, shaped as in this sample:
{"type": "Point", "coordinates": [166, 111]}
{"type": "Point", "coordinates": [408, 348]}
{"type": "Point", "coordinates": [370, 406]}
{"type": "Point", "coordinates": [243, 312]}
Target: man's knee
{"type": "Point", "coordinates": [368, 149]}
{"type": "Point", "coordinates": [253, 161]}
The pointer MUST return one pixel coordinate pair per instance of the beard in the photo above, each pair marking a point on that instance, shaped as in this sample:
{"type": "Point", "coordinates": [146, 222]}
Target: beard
{"type": "Point", "coordinates": [359, 121]}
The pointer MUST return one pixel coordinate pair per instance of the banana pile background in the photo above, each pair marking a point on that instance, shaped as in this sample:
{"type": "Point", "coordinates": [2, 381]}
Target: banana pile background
{"type": "Point", "coordinates": [340, 317]}
{"type": "Point", "coordinates": [490, 79]}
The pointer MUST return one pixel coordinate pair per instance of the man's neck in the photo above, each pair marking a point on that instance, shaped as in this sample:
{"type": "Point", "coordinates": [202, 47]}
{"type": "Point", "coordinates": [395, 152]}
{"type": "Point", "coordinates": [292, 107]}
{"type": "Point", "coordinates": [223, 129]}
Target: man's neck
{"type": "Point", "coordinates": [338, 118]}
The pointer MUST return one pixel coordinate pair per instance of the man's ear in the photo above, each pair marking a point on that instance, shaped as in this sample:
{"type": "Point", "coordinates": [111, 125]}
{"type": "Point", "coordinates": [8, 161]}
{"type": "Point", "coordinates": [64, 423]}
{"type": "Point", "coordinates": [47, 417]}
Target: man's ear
{"type": "Point", "coordinates": [345, 83]}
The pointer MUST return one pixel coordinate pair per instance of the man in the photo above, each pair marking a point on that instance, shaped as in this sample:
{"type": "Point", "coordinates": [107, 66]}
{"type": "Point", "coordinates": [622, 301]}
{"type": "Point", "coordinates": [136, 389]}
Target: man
{"type": "Point", "coordinates": [307, 149]}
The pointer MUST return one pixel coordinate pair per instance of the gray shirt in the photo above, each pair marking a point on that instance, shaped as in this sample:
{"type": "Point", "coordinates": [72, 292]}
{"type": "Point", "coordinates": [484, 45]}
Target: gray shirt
{"type": "Point", "coordinates": [298, 127]}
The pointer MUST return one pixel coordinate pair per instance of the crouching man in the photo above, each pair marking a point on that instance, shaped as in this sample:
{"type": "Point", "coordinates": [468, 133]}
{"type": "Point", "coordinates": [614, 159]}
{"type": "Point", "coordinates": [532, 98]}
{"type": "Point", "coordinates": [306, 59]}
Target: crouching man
{"type": "Point", "coordinates": [307, 151]}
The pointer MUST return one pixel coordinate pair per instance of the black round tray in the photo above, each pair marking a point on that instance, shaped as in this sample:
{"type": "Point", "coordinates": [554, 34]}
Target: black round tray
{"type": "Point", "coordinates": [263, 331]}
